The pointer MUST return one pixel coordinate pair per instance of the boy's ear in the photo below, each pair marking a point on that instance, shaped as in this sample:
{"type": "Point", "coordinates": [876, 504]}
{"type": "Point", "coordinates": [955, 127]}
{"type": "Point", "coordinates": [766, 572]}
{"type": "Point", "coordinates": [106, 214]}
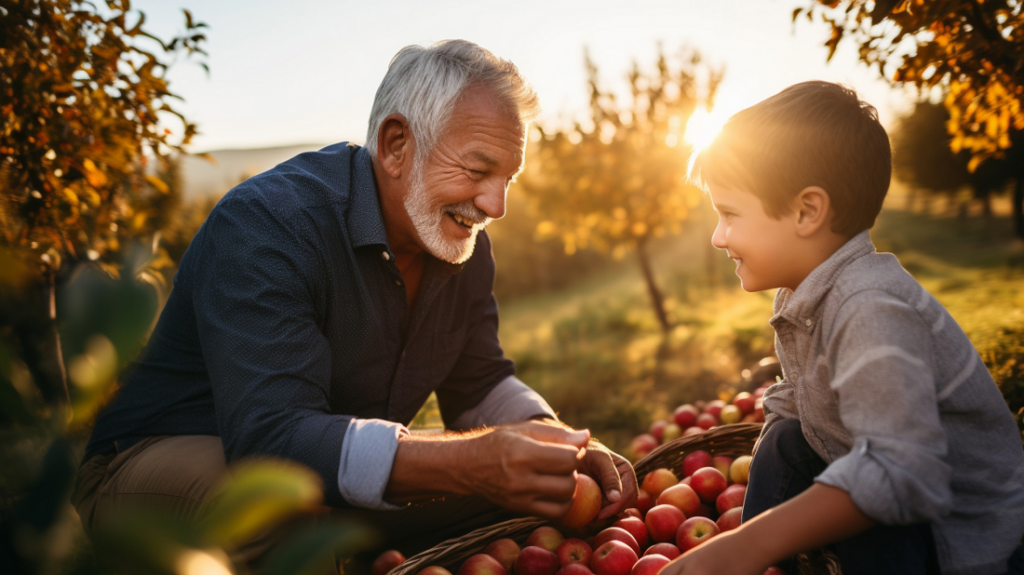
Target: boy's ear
{"type": "Point", "coordinates": [813, 210]}
{"type": "Point", "coordinates": [395, 146]}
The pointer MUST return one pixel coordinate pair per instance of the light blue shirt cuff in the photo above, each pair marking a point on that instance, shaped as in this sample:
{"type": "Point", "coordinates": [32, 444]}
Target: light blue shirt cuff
{"type": "Point", "coordinates": [511, 401]}
{"type": "Point", "coordinates": [367, 454]}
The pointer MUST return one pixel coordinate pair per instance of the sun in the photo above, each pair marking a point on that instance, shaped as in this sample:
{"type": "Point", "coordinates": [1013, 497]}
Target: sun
{"type": "Point", "coordinates": [703, 127]}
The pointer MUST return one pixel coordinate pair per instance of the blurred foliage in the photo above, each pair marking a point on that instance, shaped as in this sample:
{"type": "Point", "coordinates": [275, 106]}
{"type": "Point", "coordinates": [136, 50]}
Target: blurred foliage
{"type": "Point", "coordinates": [618, 183]}
{"type": "Point", "coordinates": [972, 51]}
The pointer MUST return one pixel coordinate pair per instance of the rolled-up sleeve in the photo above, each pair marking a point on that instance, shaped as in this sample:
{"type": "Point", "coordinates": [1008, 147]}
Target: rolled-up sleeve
{"type": "Point", "coordinates": [880, 351]}
{"type": "Point", "coordinates": [779, 402]}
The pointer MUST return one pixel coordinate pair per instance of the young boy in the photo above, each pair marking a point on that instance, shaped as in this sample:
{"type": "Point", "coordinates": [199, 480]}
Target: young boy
{"type": "Point", "coordinates": [887, 440]}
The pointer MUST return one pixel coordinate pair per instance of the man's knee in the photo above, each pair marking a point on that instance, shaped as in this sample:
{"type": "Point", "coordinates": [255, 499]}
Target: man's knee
{"type": "Point", "coordinates": [782, 440]}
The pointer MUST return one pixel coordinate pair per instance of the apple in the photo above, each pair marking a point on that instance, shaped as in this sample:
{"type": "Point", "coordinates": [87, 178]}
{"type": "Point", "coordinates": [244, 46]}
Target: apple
{"type": "Point", "coordinates": [649, 565]}
{"type": "Point", "coordinates": [744, 401]}
{"type": "Point", "coordinates": [685, 415]}
{"type": "Point", "coordinates": [730, 520]}
{"type": "Point", "coordinates": [659, 480]}
{"type": "Point", "coordinates": [685, 481]}
{"type": "Point", "coordinates": [535, 560]}
{"type": "Point", "coordinates": [662, 522]}
{"type": "Point", "coordinates": [545, 537]}
{"type": "Point", "coordinates": [667, 549]}
{"type": "Point", "coordinates": [617, 534]}
{"type": "Point", "coordinates": [773, 570]}
{"type": "Point", "coordinates": [708, 482]}
{"type": "Point", "coordinates": [714, 407]}
{"type": "Point", "coordinates": [759, 411]}
{"type": "Point", "coordinates": [644, 501]}
{"type": "Point", "coordinates": [672, 431]}
{"type": "Point", "coordinates": [722, 463]}
{"type": "Point", "coordinates": [575, 569]}
{"type": "Point", "coordinates": [642, 445]}
{"type": "Point", "coordinates": [387, 561]}
{"type": "Point", "coordinates": [634, 512]}
{"type": "Point", "coordinates": [730, 498]}
{"type": "Point", "coordinates": [635, 526]}
{"type": "Point", "coordinates": [695, 460]}
{"type": "Point", "coordinates": [612, 558]}
{"type": "Point", "coordinates": [482, 564]}
{"type": "Point", "coordinates": [695, 430]}
{"type": "Point", "coordinates": [657, 429]}
{"type": "Point", "coordinates": [586, 502]}
{"type": "Point", "coordinates": [759, 392]}
{"type": "Point", "coordinates": [749, 418]}
{"type": "Point", "coordinates": [705, 510]}
{"type": "Point", "coordinates": [505, 551]}
{"type": "Point", "coordinates": [693, 532]}
{"type": "Point", "coordinates": [681, 496]}
{"type": "Point", "coordinates": [574, 551]}
{"type": "Point", "coordinates": [730, 414]}
{"type": "Point", "coordinates": [706, 421]}
{"type": "Point", "coordinates": [739, 471]}
{"type": "Point", "coordinates": [434, 570]}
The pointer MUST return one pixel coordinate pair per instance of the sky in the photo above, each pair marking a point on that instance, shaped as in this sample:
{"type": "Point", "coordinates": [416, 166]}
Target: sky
{"type": "Point", "coordinates": [306, 71]}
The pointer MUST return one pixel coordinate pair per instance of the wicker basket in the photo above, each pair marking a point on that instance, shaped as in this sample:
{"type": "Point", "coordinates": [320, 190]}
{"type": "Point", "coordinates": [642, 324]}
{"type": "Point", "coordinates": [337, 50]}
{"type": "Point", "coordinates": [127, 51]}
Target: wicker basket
{"type": "Point", "coordinates": [731, 440]}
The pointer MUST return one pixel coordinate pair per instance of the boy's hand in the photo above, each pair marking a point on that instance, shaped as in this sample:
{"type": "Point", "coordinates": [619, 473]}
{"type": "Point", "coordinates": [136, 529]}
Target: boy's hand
{"type": "Point", "coordinates": [726, 554]}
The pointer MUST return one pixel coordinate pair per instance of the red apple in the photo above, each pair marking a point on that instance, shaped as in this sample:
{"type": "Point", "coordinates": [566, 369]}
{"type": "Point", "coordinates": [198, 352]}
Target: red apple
{"type": "Point", "coordinates": [387, 561]}
{"type": "Point", "coordinates": [612, 558]}
{"type": "Point", "coordinates": [744, 401]}
{"type": "Point", "coordinates": [534, 560]}
{"type": "Point", "coordinates": [695, 430]}
{"type": "Point", "coordinates": [672, 431]}
{"type": "Point", "coordinates": [708, 482]}
{"type": "Point", "coordinates": [749, 418]}
{"type": "Point", "coordinates": [634, 512]}
{"type": "Point", "coordinates": [699, 404]}
{"type": "Point", "coordinates": [617, 534]}
{"type": "Point", "coordinates": [759, 411]}
{"type": "Point", "coordinates": [657, 429]}
{"type": "Point", "coordinates": [635, 526]}
{"type": "Point", "coordinates": [575, 569]}
{"type": "Point", "coordinates": [574, 551]}
{"type": "Point", "coordinates": [685, 481]}
{"type": "Point", "coordinates": [714, 407]}
{"type": "Point", "coordinates": [644, 501]}
{"type": "Point", "coordinates": [730, 519]}
{"type": "Point", "coordinates": [685, 415]}
{"type": "Point", "coordinates": [642, 445]}
{"type": "Point", "coordinates": [722, 463]}
{"type": "Point", "coordinates": [482, 564]}
{"type": "Point", "coordinates": [730, 414]}
{"type": "Point", "coordinates": [505, 551]}
{"type": "Point", "coordinates": [649, 565]}
{"type": "Point", "coordinates": [681, 496]}
{"type": "Point", "coordinates": [662, 522]}
{"type": "Point", "coordinates": [705, 510]}
{"type": "Point", "coordinates": [731, 497]}
{"type": "Point", "coordinates": [545, 537]}
{"type": "Point", "coordinates": [586, 502]}
{"type": "Point", "coordinates": [659, 480]}
{"type": "Point", "coordinates": [694, 461]}
{"type": "Point", "coordinates": [707, 421]}
{"type": "Point", "coordinates": [667, 549]}
{"type": "Point", "coordinates": [693, 532]}
{"type": "Point", "coordinates": [434, 570]}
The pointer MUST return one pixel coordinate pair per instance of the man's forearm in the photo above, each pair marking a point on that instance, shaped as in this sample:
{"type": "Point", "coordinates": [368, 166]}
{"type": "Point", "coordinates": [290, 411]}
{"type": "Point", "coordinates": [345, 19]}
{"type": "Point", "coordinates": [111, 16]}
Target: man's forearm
{"type": "Point", "coordinates": [424, 467]}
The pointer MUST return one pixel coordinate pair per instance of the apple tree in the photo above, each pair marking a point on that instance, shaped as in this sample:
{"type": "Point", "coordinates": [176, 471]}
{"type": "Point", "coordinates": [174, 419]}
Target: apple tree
{"type": "Point", "coordinates": [970, 50]}
{"type": "Point", "coordinates": [621, 181]}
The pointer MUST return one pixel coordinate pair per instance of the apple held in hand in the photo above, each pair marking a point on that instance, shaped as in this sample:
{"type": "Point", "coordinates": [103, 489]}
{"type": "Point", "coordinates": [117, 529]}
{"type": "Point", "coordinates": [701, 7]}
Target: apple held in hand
{"type": "Point", "coordinates": [612, 558]}
{"type": "Point", "coordinates": [695, 460]}
{"type": "Point", "coordinates": [659, 480]}
{"type": "Point", "coordinates": [681, 496]}
{"type": "Point", "coordinates": [545, 537]}
{"type": "Point", "coordinates": [730, 498]}
{"type": "Point", "coordinates": [586, 502]}
{"type": "Point", "coordinates": [694, 531]}
{"type": "Point", "coordinates": [649, 565]}
{"type": "Point", "coordinates": [534, 560]}
{"type": "Point", "coordinates": [708, 482]}
{"type": "Point", "coordinates": [635, 526]}
{"type": "Point", "coordinates": [662, 522]}
{"type": "Point", "coordinates": [667, 549]}
{"type": "Point", "coordinates": [387, 561]}
{"type": "Point", "coordinates": [730, 520]}
{"type": "Point", "coordinates": [574, 551]}
{"type": "Point", "coordinates": [506, 551]}
{"type": "Point", "coordinates": [482, 564]}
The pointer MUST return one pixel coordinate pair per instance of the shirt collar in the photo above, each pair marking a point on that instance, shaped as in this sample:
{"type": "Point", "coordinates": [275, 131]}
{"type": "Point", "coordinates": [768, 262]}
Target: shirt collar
{"type": "Point", "coordinates": [800, 306]}
{"type": "Point", "coordinates": [365, 224]}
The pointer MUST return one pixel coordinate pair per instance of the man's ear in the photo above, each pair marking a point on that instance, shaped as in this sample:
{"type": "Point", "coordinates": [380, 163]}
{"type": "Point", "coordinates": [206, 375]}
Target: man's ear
{"type": "Point", "coordinates": [395, 146]}
{"type": "Point", "coordinates": [813, 210]}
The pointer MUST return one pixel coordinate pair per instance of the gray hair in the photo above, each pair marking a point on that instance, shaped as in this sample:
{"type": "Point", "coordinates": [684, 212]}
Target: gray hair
{"type": "Point", "coordinates": [423, 84]}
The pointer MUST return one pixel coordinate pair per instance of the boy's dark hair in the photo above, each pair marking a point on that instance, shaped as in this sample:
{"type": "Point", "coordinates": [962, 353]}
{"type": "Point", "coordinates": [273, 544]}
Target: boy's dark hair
{"type": "Point", "coordinates": [810, 134]}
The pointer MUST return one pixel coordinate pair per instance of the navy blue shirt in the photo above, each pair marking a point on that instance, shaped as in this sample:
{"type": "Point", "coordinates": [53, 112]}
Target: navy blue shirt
{"type": "Point", "coordinates": [289, 318]}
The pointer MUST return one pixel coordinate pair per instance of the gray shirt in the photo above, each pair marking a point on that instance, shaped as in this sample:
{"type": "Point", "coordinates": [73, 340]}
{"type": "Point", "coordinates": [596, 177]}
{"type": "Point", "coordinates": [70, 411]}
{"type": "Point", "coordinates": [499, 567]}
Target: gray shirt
{"type": "Point", "coordinates": [893, 396]}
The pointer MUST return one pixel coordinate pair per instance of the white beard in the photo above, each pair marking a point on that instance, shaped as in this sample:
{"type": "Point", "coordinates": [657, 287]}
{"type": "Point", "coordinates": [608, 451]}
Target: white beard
{"type": "Point", "coordinates": [428, 216]}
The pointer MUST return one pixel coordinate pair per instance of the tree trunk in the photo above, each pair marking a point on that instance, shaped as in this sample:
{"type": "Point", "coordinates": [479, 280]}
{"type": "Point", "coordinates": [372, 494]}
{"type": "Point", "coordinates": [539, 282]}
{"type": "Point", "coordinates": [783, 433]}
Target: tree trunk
{"type": "Point", "coordinates": [657, 300]}
{"type": "Point", "coordinates": [1018, 205]}
{"type": "Point", "coordinates": [40, 343]}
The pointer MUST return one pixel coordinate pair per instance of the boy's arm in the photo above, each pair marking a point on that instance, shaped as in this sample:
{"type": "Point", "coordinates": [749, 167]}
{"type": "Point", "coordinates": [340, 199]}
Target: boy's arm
{"type": "Point", "coordinates": [816, 517]}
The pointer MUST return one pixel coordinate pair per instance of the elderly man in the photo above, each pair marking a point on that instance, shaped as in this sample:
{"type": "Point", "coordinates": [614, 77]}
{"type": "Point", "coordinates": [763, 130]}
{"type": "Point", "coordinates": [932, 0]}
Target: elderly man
{"type": "Point", "coordinates": [324, 300]}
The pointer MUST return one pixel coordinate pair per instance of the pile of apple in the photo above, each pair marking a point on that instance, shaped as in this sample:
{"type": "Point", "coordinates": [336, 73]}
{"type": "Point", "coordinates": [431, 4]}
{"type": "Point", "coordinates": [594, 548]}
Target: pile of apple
{"type": "Point", "coordinates": [698, 417]}
{"type": "Point", "coordinates": [672, 517]}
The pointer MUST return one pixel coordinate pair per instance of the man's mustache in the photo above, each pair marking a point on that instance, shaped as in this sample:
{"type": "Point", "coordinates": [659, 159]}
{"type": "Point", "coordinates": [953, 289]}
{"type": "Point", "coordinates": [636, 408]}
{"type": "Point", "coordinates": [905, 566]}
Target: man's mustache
{"type": "Point", "coordinates": [468, 211]}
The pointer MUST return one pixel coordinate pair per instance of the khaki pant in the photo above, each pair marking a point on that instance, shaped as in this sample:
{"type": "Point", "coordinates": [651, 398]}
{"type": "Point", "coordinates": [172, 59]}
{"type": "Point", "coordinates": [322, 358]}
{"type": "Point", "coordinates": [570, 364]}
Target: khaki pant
{"type": "Point", "coordinates": [178, 473]}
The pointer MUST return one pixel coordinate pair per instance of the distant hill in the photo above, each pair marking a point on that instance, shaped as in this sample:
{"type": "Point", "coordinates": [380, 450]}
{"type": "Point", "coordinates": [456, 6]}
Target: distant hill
{"type": "Point", "coordinates": [202, 178]}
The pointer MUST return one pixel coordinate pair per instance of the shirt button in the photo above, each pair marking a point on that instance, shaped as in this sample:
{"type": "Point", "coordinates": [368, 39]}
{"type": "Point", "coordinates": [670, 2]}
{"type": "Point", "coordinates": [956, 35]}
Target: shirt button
{"type": "Point", "coordinates": [808, 322]}
{"type": "Point", "coordinates": [385, 256]}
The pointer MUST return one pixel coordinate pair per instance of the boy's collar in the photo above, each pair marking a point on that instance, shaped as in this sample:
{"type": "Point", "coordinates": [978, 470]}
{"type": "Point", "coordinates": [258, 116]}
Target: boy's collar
{"type": "Point", "coordinates": [799, 307]}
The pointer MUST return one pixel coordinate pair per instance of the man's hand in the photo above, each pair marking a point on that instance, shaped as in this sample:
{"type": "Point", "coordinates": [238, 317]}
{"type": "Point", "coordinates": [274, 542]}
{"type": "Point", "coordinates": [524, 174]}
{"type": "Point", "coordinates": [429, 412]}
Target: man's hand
{"type": "Point", "coordinates": [616, 477]}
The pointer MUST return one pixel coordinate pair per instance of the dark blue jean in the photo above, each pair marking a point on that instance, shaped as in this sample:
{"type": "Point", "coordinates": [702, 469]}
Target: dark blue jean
{"type": "Point", "coordinates": [785, 465]}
